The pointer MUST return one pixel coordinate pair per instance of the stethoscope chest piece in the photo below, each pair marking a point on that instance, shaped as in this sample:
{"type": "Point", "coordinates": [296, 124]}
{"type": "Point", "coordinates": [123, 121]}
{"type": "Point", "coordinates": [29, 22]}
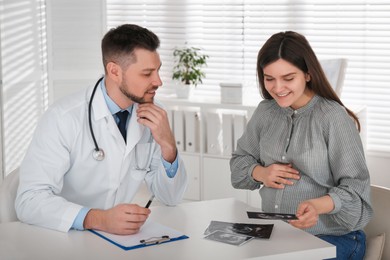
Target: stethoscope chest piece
{"type": "Point", "coordinates": [98, 155]}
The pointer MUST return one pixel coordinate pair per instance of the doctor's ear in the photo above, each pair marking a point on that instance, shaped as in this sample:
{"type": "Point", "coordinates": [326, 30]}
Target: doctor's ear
{"type": "Point", "coordinates": [114, 71]}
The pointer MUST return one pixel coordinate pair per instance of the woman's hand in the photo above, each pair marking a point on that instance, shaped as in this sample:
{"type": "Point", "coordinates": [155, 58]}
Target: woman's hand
{"type": "Point", "coordinates": [307, 216]}
{"type": "Point", "coordinates": [308, 211]}
{"type": "Point", "coordinates": [276, 175]}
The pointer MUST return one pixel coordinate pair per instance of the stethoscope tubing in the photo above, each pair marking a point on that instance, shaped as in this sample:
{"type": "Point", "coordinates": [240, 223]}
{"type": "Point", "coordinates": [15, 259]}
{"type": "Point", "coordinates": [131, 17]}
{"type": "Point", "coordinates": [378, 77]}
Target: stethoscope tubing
{"type": "Point", "coordinates": [98, 153]}
{"type": "Point", "coordinates": [97, 149]}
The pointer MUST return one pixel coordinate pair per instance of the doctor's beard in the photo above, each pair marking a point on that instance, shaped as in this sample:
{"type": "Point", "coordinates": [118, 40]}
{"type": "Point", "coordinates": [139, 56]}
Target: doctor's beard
{"type": "Point", "coordinates": [134, 98]}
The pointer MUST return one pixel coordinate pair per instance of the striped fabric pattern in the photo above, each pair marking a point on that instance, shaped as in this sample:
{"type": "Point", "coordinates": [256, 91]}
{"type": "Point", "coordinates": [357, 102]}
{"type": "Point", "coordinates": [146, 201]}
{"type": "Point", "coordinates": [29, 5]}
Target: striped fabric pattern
{"type": "Point", "coordinates": [323, 144]}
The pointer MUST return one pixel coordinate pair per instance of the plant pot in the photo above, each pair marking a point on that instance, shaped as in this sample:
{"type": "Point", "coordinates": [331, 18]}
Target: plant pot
{"type": "Point", "coordinates": [183, 91]}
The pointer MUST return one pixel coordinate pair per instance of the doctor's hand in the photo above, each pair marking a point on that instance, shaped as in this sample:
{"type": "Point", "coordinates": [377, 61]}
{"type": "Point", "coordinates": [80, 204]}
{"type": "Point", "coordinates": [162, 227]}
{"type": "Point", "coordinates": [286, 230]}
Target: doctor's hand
{"type": "Point", "coordinates": [275, 175]}
{"type": "Point", "coordinates": [123, 219]}
{"type": "Point", "coordinates": [156, 119]}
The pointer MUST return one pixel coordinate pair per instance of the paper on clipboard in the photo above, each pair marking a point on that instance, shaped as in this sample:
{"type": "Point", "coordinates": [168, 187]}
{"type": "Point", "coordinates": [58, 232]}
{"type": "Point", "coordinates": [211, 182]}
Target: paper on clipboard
{"type": "Point", "coordinates": [149, 230]}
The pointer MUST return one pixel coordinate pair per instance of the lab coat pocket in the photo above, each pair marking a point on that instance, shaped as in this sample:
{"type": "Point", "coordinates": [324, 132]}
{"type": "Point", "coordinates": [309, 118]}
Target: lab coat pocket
{"type": "Point", "coordinates": [143, 154]}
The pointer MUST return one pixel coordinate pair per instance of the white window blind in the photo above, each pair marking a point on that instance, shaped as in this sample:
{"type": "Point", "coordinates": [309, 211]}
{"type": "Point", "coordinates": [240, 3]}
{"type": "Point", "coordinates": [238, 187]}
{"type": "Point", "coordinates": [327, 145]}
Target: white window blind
{"type": "Point", "coordinates": [23, 76]}
{"type": "Point", "coordinates": [232, 32]}
{"type": "Point", "coordinates": [214, 26]}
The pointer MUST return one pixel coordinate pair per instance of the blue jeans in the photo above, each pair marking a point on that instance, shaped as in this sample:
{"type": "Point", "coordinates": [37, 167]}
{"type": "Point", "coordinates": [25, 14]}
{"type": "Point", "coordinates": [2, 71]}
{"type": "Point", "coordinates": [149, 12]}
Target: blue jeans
{"type": "Point", "coordinates": [351, 246]}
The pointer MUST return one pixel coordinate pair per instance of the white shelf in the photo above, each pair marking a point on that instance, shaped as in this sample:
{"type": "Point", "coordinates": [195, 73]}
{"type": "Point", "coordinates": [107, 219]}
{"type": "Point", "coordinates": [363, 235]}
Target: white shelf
{"type": "Point", "coordinates": [209, 173]}
{"type": "Point", "coordinates": [205, 103]}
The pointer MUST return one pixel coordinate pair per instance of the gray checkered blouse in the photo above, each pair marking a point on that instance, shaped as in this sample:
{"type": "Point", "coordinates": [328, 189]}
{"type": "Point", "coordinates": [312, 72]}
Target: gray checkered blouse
{"type": "Point", "coordinates": [323, 144]}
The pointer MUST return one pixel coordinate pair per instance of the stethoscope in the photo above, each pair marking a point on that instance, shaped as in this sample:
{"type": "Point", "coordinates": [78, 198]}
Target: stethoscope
{"type": "Point", "coordinates": [98, 153]}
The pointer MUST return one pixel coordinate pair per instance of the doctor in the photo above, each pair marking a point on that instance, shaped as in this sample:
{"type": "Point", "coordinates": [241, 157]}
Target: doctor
{"type": "Point", "coordinates": [80, 172]}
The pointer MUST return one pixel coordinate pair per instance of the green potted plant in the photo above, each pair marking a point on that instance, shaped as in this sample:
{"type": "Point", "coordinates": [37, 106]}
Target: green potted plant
{"type": "Point", "coordinates": [188, 69]}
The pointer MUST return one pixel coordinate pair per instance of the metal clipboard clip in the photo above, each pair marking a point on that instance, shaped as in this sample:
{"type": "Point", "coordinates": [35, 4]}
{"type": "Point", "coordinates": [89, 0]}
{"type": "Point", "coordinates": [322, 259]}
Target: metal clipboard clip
{"type": "Point", "coordinates": [154, 240]}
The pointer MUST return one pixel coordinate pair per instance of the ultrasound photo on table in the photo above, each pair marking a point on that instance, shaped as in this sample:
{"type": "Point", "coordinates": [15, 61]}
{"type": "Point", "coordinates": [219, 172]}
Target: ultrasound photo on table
{"type": "Point", "coordinates": [228, 238]}
{"type": "Point", "coordinates": [253, 230]}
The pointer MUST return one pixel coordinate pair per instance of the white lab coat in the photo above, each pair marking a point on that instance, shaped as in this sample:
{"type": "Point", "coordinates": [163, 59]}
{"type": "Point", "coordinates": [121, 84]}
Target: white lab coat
{"type": "Point", "coordinates": [59, 176]}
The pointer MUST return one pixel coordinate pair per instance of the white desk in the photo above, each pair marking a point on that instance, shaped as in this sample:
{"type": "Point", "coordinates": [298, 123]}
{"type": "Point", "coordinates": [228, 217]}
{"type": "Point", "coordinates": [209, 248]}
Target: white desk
{"type": "Point", "coordinates": [21, 241]}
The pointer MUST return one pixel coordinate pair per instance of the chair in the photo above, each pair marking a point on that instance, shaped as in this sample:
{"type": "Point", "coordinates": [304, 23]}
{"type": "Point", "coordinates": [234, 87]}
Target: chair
{"type": "Point", "coordinates": [8, 191]}
{"type": "Point", "coordinates": [335, 72]}
{"type": "Point", "coordinates": [379, 224]}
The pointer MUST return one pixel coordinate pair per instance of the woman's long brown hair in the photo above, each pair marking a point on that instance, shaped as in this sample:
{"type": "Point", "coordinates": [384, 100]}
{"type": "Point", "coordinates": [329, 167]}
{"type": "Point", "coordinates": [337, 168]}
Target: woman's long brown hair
{"type": "Point", "coordinates": [294, 48]}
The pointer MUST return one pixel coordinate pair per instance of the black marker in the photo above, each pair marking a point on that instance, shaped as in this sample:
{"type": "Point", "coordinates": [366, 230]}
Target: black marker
{"type": "Point", "coordinates": [149, 202]}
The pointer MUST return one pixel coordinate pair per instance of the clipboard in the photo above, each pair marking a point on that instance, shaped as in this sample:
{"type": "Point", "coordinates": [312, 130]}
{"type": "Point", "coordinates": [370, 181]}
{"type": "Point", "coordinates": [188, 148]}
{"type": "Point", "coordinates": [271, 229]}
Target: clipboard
{"type": "Point", "coordinates": [150, 234]}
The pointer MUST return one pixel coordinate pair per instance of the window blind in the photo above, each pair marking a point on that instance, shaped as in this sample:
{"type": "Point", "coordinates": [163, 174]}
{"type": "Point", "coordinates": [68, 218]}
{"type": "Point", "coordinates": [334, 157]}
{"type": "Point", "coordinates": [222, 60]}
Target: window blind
{"type": "Point", "coordinates": [232, 32]}
{"type": "Point", "coordinates": [23, 75]}
{"type": "Point", "coordinates": [214, 26]}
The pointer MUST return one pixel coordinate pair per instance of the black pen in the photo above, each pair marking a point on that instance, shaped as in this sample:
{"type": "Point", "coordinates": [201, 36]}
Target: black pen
{"type": "Point", "coordinates": [149, 202]}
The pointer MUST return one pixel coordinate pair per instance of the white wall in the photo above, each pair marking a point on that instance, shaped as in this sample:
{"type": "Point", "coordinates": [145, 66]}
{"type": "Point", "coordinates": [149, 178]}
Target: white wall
{"type": "Point", "coordinates": [75, 29]}
{"type": "Point", "coordinates": [379, 167]}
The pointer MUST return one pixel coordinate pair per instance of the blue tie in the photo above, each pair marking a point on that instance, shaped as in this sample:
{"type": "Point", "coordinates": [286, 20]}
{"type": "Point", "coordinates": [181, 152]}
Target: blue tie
{"type": "Point", "coordinates": [122, 115]}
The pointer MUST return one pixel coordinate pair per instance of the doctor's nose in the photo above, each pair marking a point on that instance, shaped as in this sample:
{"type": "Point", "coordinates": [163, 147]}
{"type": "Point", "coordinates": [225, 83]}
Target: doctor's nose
{"type": "Point", "coordinates": [157, 81]}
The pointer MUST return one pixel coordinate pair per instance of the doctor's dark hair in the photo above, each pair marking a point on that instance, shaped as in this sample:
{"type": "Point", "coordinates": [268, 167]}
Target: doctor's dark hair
{"type": "Point", "coordinates": [119, 43]}
{"type": "Point", "coordinates": [295, 49]}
